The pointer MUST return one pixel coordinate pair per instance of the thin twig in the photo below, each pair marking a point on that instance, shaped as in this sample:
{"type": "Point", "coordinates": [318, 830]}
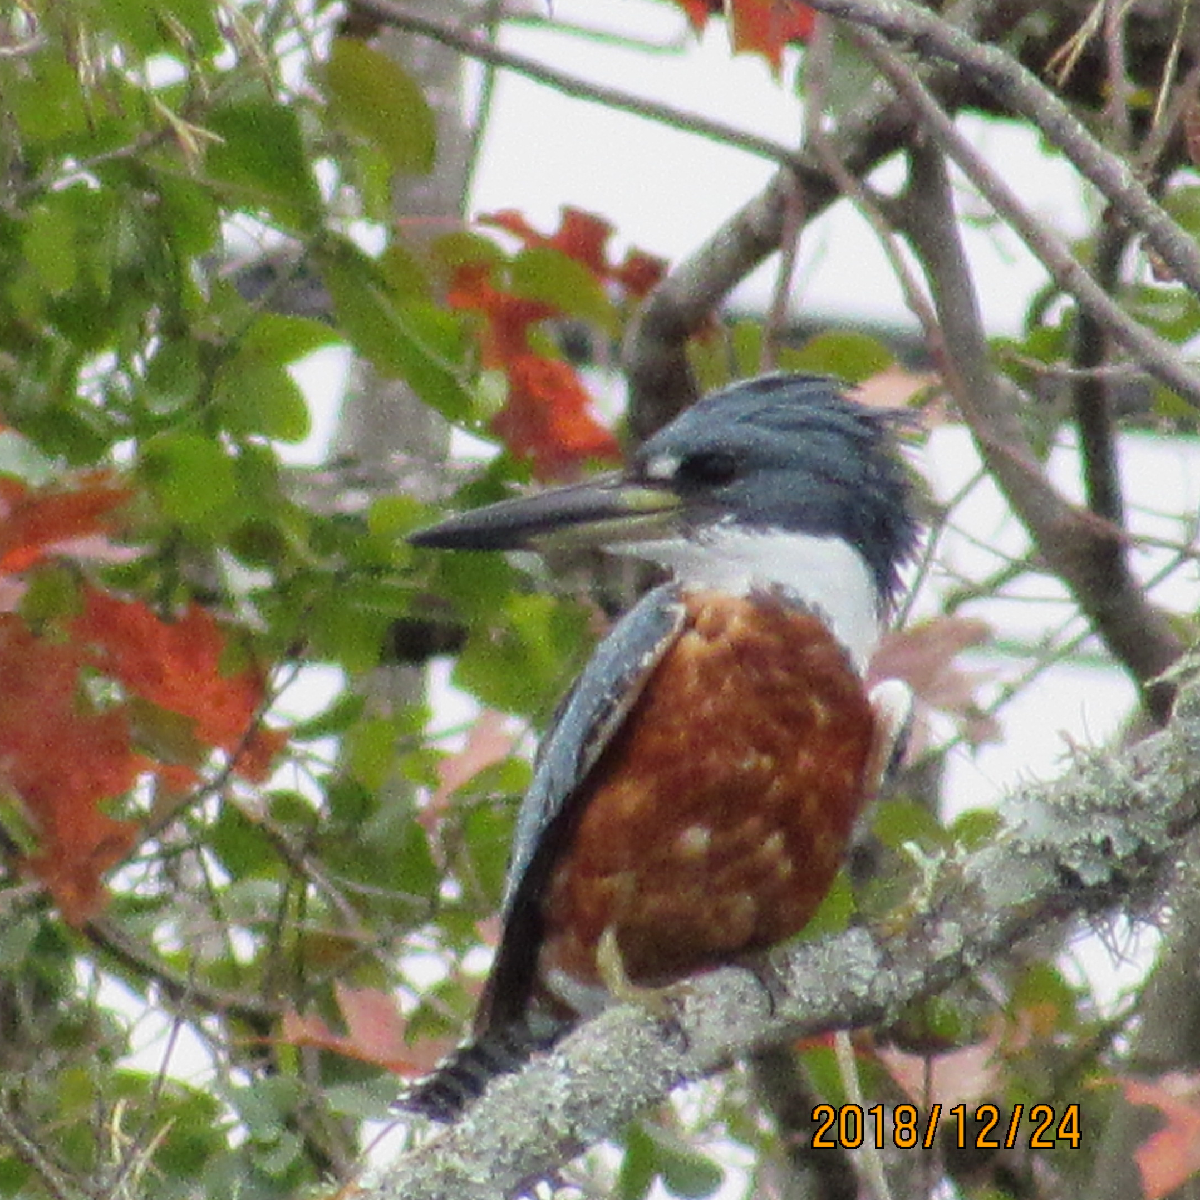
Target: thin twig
{"type": "Point", "coordinates": [1019, 89]}
{"type": "Point", "coordinates": [1161, 358]}
{"type": "Point", "coordinates": [470, 44]}
{"type": "Point", "coordinates": [1075, 544]}
{"type": "Point", "coordinates": [28, 1149]}
{"type": "Point", "coordinates": [182, 989]}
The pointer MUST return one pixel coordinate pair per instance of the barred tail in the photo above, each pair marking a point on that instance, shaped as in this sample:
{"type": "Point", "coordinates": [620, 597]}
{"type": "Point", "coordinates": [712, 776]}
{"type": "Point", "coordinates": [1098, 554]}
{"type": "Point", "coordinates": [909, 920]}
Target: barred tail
{"type": "Point", "coordinates": [463, 1075]}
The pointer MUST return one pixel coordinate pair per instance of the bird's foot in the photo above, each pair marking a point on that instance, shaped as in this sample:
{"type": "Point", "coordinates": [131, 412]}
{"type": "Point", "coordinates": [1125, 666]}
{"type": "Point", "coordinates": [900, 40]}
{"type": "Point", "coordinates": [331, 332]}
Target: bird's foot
{"type": "Point", "coordinates": [773, 984]}
{"type": "Point", "coordinates": [659, 1002]}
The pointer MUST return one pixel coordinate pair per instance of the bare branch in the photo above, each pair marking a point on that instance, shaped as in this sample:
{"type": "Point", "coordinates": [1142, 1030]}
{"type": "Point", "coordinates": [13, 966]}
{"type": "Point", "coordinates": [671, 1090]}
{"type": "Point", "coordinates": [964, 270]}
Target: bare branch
{"type": "Point", "coordinates": [1019, 89]}
{"type": "Point", "coordinates": [1107, 829]}
{"type": "Point", "coordinates": [1075, 544]}
{"type": "Point", "coordinates": [398, 16]}
{"type": "Point", "coordinates": [1091, 394]}
{"type": "Point", "coordinates": [1160, 357]}
{"type": "Point", "coordinates": [660, 385]}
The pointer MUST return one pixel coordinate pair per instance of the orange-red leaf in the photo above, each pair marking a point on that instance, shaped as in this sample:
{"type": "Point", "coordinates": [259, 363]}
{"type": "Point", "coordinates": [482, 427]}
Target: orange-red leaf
{"type": "Point", "coordinates": [581, 235]}
{"type": "Point", "coordinates": [766, 26]}
{"type": "Point", "coordinates": [698, 11]}
{"type": "Point", "coordinates": [1171, 1156]}
{"type": "Point", "coordinates": [176, 665]}
{"type": "Point", "coordinates": [374, 1033]}
{"type": "Point", "coordinates": [61, 759]}
{"type": "Point", "coordinates": [34, 523]}
{"type": "Point", "coordinates": [639, 273]}
{"type": "Point", "coordinates": [756, 26]}
{"type": "Point", "coordinates": [549, 418]}
{"type": "Point", "coordinates": [508, 317]}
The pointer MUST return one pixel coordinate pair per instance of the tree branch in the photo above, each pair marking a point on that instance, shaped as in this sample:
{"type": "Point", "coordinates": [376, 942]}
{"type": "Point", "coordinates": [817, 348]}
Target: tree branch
{"type": "Point", "coordinates": [653, 358]}
{"type": "Point", "coordinates": [396, 15]}
{"type": "Point", "coordinates": [1106, 830]}
{"type": "Point", "coordinates": [1019, 89]}
{"type": "Point", "coordinates": [1159, 357]}
{"type": "Point", "coordinates": [1075, 544]}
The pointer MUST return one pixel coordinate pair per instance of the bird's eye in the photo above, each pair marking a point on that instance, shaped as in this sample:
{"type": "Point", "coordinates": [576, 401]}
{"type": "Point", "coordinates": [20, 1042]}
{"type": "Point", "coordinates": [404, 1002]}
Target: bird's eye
{"type": "Point", "coordinates": [708, 468]}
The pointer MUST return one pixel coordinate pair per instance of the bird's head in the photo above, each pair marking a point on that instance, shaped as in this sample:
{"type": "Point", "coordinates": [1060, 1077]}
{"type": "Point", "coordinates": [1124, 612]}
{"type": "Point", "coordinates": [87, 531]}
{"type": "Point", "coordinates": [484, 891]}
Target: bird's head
{"type": "Point", "coordinates": [781, 455]}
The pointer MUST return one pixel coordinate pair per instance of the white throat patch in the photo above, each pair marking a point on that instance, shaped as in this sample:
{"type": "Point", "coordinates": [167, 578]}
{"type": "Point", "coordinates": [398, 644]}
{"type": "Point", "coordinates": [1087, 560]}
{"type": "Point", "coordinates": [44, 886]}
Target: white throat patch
{"type": "Point", "coordinates": [822, 572]}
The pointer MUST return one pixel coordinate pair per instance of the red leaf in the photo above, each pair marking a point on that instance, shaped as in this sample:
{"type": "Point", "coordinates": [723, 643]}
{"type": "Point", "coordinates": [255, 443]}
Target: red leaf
{"type": "Point", "coordinates": [548, 418]}
{"type": "Point", "coordinates": [698, 11]}
{"type": "Point", "coordinates": [766, 26]}
{"type": "Point", "coordinates": [176, 665]}
{"type": "Point", "coordinates": [757, 26]}
{"type": "Point", "coordinates": [639, 273]}
{"type": "Point", "coordinates": [581, 235]}
{"type": "Point", "coordinates": [62, 759]}
{"type": "Point", "coordinates": [375, 1033]}
{"type": "Point", "coordinates": [508, 317]}
{"type": "Point", "coordinates": [36, 523]}
{"type": "Point", "coordinates": [1171, 1156]}
{"type": "Point", "coordinates": [925, 657]}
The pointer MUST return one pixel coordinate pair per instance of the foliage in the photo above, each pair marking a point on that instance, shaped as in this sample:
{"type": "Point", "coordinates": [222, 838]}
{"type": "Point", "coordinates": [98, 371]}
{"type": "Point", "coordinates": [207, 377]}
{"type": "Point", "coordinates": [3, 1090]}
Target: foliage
{"type": "Point", "coordinates": [289, 909]}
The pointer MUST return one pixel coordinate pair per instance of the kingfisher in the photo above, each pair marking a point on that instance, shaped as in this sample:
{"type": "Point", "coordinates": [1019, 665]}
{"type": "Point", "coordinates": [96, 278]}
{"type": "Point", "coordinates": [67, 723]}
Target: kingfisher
{"type": "Point", "coordinates": [700, 783]}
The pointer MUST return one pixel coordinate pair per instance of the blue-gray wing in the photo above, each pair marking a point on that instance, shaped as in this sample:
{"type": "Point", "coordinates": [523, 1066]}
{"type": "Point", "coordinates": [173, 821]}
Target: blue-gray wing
{"type": "Point", "coordinates": [584, 725]}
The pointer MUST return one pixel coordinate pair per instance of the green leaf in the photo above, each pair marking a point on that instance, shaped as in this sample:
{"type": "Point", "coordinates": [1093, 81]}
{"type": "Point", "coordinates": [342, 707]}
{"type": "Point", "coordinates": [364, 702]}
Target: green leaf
{"type": "Point", "coordinates": [898, 822]}
{"type": "Point", "coordinates": [521, 664]}
{"type": "Point", "coordinates": [463, 248]}
{"type": "Point", "coordinates": [846, 355]}
{"type": "Point", "coordinates": [976, 827]}
{"type": "Point", "coordinates": [1183, 204]}
{"type": "Point", "coordinates": [172, 380]}
{"type": "Point", "coordinates": [543, 273]}
{"type": "Point", "coordinates": [257, 397]}
{"type": "Point", "coordinates": [47, 100]}
{"type": "Point", "coordinates": [241, 845]}
{"type": "Point", "coordinates": [189, 214]}
{"type": "Point", "coordinates": [191, 476]}
{"type": "Point", "coordinates": [346, 708]}
{"type": "Point", "coordinates": [395, 516]}
{"type": "Point", "coordinates": [281, 339]}
{"type": "Point", "coordinates": [404, 273]}
{"type": "Point", "coordinates": [834, 912]}
{"type": "Point", "coordinates": [414, 340]}
{"type": "Point", "coordinates": [178, 27]}
{"type": "Point", "coordinates": [254, 389]}
{"type": "Point", "coordinates": [370, 1100]}
{"type": "Point", "coordinates": [262, 161]}
{"type": "Point", "coordinates": [415, 873]}
{"type": "Point", "coordinates": [370, 95]}
{"type": "Point", "coordinates": [639, 1164]}
{"type": "Point", "coordinates": [487, 832]}
{"type": "Point", "coordinates": [683, 1171]}
{"type": "Point", "coordinates": [21, 459]}
{"type": "Point", "coordinates": [49, 247]}
{"type": "Point", "coordinates": [369, 751]}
